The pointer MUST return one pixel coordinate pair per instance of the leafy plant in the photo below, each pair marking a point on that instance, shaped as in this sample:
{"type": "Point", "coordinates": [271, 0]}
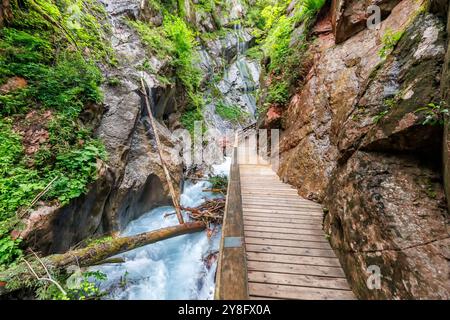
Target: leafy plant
{"type": "Point", "coordinates": [380, 116]}
{"type": "Point", "coordinates": [174, 41]}
{"type": "Point", "coordinates": [389, 40]}
{"type": "Point", "coordinates": [231, 113]}
{"type": "Point", "coordinates": [9, 250]}
{"type": "Point", "coordinates": [435, 114]}
{"type": "Point", "coordinates": [79, 286]}
{"type": "Point", "coordinates": [62, 77]}
{"type": "Point", "coordinates": [219, 182]}
{"type": "Point", "coordinates": [278, 93]}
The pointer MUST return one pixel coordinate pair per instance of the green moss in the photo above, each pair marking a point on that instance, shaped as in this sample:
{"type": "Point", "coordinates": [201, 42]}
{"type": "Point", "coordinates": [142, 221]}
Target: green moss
{"type": "Point", "coordinates": [389, 40]}
{"type": "Point", "coordinates": [231, 113]}
{"type": "Point", "coordinates": [189, 117]}
{"type": "Point", "coordinates": [278, 93]}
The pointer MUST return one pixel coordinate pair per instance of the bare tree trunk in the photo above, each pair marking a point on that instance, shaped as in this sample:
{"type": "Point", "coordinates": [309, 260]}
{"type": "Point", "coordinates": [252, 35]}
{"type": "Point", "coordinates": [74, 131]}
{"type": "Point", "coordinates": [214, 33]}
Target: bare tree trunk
{"type": "Point", "coordinates": [20, 275]}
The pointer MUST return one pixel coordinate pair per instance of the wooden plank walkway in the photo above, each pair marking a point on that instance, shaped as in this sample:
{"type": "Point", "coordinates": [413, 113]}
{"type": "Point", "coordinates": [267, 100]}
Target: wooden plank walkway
{"type": "Point", "coordinates": [288, 256]}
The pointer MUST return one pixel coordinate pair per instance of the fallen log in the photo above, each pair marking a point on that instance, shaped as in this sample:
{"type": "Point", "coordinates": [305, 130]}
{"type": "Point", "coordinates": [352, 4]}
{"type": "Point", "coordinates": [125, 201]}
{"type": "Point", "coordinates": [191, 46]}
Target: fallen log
{"type": "Point", "coordinates": [20, 276]}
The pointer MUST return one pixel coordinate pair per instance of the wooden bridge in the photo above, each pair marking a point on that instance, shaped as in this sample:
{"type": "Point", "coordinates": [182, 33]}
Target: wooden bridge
{"type": "Point", "coordinates": [273, 245]}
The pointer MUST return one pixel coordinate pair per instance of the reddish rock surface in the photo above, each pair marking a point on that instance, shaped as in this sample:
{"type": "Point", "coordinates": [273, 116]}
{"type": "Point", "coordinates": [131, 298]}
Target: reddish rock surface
{"type": "Point", "coordinates": [350, 16]}
{"type": "Point", "coordinates": [354, 141]}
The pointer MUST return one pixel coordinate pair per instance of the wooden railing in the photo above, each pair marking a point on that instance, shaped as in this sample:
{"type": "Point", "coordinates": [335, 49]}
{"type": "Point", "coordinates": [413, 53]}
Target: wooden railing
{"type": "Point", "coordinates": [231, 281]}
{"type": "Point", "coordinates": [245, 131]}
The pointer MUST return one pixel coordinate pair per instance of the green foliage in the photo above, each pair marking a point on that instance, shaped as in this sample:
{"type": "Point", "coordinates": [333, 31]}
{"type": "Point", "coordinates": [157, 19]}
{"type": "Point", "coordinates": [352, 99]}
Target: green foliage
{"type": "Point", "coordinates": [380, 116]}
{"type": "Point", "coordinates": [311, 7]}
{"type": "Point", "coordinates": [276, 45]}
{"type": "Point", "coordinates": [79, 286]}
{"type": "Point", "coordinates": [278, 93]}
{"type": "Point", "coordinates": [155, 39]}
{"type": "Point", "coordinates": [174, 41]}
{"type": "Point", "coordinates": [434, 114]}
{"type": "Point", "coordinates": [189, 117]}
{"type": "Point", "coordinates": [389, 40]}
{"type": "Point", "coordinates": [286, 57]}
{"type": "Point", "coordinates": [57, 62]}
{"type": "Point", "coordinates": [219, 182]}
{"type": "Point", "coordinates": [76, 168]}
{"type": "Point", "coordinates": [9, 250]}
{"type": "Point", "coordinates": [231, 113]}
{"type": "Point", "coordinates": [183, 42]}
{"type": "Point", "coordinates": [79, 23]}
{"type": "Point", "coordinates": [255, 53]}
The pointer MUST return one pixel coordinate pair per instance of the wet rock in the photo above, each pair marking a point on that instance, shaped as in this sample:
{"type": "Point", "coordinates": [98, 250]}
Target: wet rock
{"type": "Point", "coordinates": [237, 88]}
{"type": "Point", "coordinates": [143, 185]}
{"type": "Point", "coordinates": [54, 229]}
{"type": "Point", "coordinates": [139, 176]}
{"type": "Point", "coordinates": [389, 211]}
{"type": "Point", "coordinates": [128, 8]}
{"type": "Point", "coordinates": [234, 42]}
{"type": "Point", "coordinates": [131, 183]}
{"type": "Point", "coordinates": [439, 7]}
{"type": "Point", "coordinates": [355, 142]}
{"type": "Point", "coordinates": [350, 16]}
{"type": "Point", "coordinates": [273, 117]}
{"type": "Point", "coordinates": [317, 116]}
{"type": "Point", "coordinates": [385, 117]}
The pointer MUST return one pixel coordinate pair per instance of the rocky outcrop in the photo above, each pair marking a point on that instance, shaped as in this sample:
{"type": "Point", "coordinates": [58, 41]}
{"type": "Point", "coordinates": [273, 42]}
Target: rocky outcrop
{"type": "Point", "coordinates": [140, 181]}
{"type": "Point", "coordinates": [445, 92]}
{"type": "Point", "coordinates": [389, 211]}
{"type": "Point", "coordinates": [355, 140]}
{"type": "Point", "coordinates": [350, 16]}
{"type": "Point", "coordinates": [317, 114]}
{"type": "Point", "coordinates": [132, 181]}
{"type": "Point", "coordinates": [52, 229]}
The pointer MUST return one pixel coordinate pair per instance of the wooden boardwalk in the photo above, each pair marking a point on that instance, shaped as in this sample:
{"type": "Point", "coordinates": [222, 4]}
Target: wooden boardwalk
{"type": "Point", "coordinates": [288, 256]}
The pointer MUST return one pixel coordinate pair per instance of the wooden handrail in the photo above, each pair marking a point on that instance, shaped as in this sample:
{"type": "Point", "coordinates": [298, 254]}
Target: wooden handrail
{"type": "Point", "coordinates": [231, 281]}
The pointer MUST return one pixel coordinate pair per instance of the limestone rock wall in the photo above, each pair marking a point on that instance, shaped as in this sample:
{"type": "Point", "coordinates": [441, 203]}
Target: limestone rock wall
{"type": "Point", "coordinates": [355, 141]}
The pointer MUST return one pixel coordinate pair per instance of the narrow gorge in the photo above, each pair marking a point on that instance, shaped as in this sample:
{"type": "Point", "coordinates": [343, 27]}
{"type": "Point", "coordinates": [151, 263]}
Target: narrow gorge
{"type": "Point", "coordinates": [357, 90]}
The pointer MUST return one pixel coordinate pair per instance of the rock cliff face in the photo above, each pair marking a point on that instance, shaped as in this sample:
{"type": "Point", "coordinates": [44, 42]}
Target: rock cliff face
{"type": "Point", "coordinates": [356, 140]}
{"type": "Point", "coordinates": [132, 181]}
